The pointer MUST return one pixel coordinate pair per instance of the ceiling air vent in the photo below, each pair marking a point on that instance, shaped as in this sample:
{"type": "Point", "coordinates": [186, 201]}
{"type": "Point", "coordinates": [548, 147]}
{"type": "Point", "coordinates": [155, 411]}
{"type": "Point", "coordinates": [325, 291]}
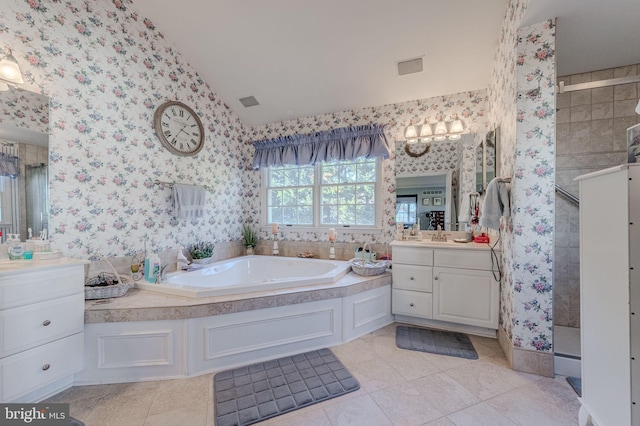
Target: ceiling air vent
{"type": "Point", "coordinates": [249, 101]}
{"type": "Point", "coordinates": [410, 66]}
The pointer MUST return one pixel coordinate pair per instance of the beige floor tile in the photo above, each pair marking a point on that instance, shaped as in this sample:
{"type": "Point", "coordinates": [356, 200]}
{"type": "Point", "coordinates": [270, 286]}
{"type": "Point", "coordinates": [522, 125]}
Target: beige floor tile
{"type": "Point", "coordinates": [384, 345]}
{"type": "Point", "coordinates": [177, 394]}
{"type": "Point", "coordinates": [81, 408]}
{"type": "Point", "coordinates": [183, 416]}
{"type": "Point", "coordinates": [361, 411]}
{"type": "Point", "coordinates": [480, 415]}
{"type": "Point", "coordinates": [376, 374]}
{"type": "Point", "coordinates": [308, 416]}
{"type": "Point", "coordinates": [445, 393]}
{"type": "Point", "coordinates": [444, 362]}
{"type": "Point", "coordinates": [442, 421]}
{"type": "Point", "coordinates": [121, 409]}
{"type": "Point", "coordinates": [405, 406]}
{"type": "Point", "coordinates": [546, 402]}
{"type": "Point", "coordinates": [411, 365]}
{"type": "Point", "coordinates": [481, 379]}
{"type": "Point", "coordinates": [354, 352]}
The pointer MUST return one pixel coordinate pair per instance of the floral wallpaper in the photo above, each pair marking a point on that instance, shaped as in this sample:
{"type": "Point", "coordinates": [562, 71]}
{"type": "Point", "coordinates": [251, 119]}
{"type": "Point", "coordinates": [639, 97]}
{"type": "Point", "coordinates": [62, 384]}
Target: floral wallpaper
{"type": "Point", "coordinates": [24, 109]}
{"type": "Point", "coordinates": [522, 104]}
{"type": "Point", "coordinates": [106, 70]}
{"type": "Point", "coordinates": [533, 192]}
{"type": "Point", "coordinates": [443, 156]}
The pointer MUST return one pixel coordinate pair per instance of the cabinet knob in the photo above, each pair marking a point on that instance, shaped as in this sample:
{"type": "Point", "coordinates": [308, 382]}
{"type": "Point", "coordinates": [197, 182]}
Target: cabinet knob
{"type": "Point", "coordinates": [46, 367]}
{"type": "Point", "coordinates": [46, 322]}
{"type": "Point", "coordinates": [411, 304]}
{"type": "Point", "coordinates": [435, 278]}
{"type": "Point", "coordinates": [411, 278]}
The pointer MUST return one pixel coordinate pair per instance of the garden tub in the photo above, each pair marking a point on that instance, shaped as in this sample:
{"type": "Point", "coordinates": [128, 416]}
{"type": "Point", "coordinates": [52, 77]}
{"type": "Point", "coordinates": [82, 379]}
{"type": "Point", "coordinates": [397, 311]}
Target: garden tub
{"type": "Point", "coordinates": [250, 274]}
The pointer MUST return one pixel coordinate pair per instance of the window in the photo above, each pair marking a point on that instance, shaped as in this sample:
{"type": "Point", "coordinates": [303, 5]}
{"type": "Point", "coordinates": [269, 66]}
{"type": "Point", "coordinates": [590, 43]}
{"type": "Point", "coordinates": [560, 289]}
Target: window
{"type": "Point", "coordinates": [338, 193]}
{"type": "Point", "coordinates": [406, 208]}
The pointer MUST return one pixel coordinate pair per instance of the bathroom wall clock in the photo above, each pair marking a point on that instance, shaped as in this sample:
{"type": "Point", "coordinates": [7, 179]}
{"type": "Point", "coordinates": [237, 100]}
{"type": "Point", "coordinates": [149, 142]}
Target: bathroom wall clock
{"type": "Point", "coordinates": [179, 128]}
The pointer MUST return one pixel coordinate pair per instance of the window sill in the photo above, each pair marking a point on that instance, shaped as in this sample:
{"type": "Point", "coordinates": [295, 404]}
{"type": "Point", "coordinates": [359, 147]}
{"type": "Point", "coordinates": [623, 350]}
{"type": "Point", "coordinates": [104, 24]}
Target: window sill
{"type": "Point", "coordinates": [284, 229]}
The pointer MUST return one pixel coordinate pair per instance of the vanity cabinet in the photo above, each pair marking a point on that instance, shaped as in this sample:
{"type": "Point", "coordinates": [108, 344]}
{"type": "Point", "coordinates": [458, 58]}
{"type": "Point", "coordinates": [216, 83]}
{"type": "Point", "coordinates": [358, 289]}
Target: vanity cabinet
{"type": "Point", "coordinates": [445, 287]}
{"type": "Point", "coordinates": [42, 323]}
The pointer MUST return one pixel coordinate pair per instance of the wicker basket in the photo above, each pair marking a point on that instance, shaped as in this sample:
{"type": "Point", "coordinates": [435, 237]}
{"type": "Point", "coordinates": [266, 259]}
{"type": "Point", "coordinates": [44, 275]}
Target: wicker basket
{"type": "Point", "coordinates": [368, 268]}
{"type": "Point", "coordinates": [109, 291]}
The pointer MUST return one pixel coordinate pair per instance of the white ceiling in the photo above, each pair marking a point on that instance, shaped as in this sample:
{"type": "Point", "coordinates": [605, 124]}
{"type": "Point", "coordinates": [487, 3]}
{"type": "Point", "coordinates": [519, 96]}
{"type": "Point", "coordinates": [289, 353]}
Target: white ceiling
{"type": "Point", "coordinates": [301, 58]}
{"type": "Point", "coordinates": [591, 34]}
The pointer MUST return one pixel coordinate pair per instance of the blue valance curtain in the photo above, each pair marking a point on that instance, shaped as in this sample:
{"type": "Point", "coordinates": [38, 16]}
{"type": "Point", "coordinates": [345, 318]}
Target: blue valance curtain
{"type": "Point", "coordinates": [9, 165]}
{"type": "Point", "coordinates": [345, 143]}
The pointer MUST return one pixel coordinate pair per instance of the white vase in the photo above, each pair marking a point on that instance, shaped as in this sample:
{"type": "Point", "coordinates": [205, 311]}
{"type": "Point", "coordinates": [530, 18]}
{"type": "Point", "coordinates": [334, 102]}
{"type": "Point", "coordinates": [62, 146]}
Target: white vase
{"type": "Point", "coordinates": [249, 251]}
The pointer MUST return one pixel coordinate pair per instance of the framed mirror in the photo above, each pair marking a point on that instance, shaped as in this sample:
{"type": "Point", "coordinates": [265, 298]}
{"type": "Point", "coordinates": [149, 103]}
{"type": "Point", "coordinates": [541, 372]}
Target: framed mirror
{"type": "Point", "coordinates": [486, 160]}
{"type": "Point", "coordinates": [24, 133]}
{"type": "Point", "coordinates": [425, 199]}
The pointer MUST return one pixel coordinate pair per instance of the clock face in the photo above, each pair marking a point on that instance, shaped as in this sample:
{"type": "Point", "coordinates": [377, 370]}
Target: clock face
{"type": "Point", "coordinates": [179, 128]}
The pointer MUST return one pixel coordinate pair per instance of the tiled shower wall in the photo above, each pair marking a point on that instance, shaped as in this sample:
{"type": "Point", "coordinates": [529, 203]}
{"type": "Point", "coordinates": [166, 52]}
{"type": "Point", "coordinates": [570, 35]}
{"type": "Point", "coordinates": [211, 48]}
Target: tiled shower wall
{"type": "Point", "coordinates": [591, 134]}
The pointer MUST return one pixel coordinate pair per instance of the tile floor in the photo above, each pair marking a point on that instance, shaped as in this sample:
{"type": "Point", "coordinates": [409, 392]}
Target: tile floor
{"type": "Point", "coordinates": [398, 387]}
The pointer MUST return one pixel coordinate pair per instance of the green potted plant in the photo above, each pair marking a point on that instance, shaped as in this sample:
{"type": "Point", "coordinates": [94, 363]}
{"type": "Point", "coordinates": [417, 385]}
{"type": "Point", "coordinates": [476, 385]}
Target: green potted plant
{"type": "Point", "coordinates": [249, 237]}
{"type": "Point", "coordinates": [201, 252]}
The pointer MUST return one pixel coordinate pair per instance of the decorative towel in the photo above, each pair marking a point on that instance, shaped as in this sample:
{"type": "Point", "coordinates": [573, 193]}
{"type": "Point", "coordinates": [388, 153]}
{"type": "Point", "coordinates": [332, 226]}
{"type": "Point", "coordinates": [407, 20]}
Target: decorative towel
{"type": "Point", "coordinates": [188, 201]}
{"type": "Point", "coordinates": [495, 204]}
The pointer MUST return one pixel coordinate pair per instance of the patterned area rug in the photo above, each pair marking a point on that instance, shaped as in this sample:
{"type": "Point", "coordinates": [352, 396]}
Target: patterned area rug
{"type": "Point", "coordinates": [435, 341]}
{"type": "Point", "coordinates": [251, 394]}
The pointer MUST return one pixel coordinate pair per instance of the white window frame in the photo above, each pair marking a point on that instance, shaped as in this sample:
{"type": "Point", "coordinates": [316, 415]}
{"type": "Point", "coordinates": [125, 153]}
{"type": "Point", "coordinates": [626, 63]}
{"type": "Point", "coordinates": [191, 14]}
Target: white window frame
{"type": "Point", "coordinates": [317, 226]}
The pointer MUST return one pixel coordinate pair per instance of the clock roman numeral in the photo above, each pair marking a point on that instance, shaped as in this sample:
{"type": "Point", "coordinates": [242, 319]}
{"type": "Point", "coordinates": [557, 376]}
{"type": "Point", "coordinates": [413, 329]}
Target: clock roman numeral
{"type": "Point", "coordinates": [167, 133]}
{"type": "Point", "coordinates": [165, 124]}
{"type": "Point", "coordinates": [181, 113]}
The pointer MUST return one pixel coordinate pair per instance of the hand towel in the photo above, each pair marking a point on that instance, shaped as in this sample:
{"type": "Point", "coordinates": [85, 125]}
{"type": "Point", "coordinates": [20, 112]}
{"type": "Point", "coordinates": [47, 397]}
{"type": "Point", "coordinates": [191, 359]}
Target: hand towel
{"type": "Point", "coordinates": [495, 204]}
{"type": "Point", "coordinates": [188, 201]}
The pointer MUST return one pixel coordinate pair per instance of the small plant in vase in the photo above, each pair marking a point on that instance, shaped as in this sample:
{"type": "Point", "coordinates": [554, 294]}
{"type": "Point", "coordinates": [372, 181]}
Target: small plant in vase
{"type": "Point", "coordinates": [201, 252]}
{"type": "Point", "coordinates": [250, 238]}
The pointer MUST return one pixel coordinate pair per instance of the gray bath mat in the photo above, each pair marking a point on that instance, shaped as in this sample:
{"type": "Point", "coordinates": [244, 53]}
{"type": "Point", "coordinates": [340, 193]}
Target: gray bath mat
{"type": "Point", "coordinates": [435, 341]}
{"type": "Point", "coordinates": [251, 394]}
{"type": "Point", "coordinates": [576, 384]}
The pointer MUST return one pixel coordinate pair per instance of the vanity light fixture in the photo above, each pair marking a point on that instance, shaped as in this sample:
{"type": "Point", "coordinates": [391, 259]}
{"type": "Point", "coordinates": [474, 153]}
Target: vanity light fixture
{"type": "Point", "coordinates": [427, 132]}
{"type": "Point", "coordinates": [439, 131]}
{"type": "Point", "coordinates": [10, 70]}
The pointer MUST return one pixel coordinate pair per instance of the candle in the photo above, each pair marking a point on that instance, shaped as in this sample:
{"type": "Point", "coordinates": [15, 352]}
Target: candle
{"type": "Point", "coordinates": [274, 228]}
{"type": "Point", "coordinates": [332, 234]}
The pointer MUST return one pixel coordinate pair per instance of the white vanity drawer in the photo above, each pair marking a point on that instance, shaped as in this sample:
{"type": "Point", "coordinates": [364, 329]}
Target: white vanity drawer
{"type": "Point", "coordinates": [40, 285]}
{"type": "Point", "coordinates": [410, 277]}
{"type": "Point", "coordinates": [28, 326]}
{"type": "Point", "coordinates": [412, 303]}
{"type": "Point", "coordinates": [32, 369]}
{"type": "Point", "coordinates": [412, 256]}
{"type": "Point", "coordinates": [464, 259]}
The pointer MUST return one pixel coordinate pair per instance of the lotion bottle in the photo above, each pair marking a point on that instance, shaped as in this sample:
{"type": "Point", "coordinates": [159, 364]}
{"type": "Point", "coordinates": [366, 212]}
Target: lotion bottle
{"type": "Point", "coordinates": [152, 268]}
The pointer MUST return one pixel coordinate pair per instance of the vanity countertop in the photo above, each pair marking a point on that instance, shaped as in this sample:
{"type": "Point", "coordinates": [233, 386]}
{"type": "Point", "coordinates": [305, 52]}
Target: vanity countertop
{"type": "Point", "coordinates": [8, 267]}
{"type": "Point", "coordinates": [449, 244]}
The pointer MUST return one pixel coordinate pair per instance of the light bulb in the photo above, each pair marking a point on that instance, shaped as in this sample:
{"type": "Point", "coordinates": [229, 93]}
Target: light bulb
{"type": "Point", "coordinates": [9, 69]}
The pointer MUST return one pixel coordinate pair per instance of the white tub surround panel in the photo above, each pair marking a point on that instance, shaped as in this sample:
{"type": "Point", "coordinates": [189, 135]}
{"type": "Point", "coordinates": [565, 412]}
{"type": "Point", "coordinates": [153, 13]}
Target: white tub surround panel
{"type": "Point", "coordinates": [445, 285]}
{"type": "Point", "coordinates": [148, 336]}
{"type": "Point", "coordinates": [41, 324]}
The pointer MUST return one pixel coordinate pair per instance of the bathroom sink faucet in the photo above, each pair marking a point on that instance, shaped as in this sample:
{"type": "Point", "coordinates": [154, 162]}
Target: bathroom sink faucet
{"type": "Point", "coordinates": [439, 235]}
